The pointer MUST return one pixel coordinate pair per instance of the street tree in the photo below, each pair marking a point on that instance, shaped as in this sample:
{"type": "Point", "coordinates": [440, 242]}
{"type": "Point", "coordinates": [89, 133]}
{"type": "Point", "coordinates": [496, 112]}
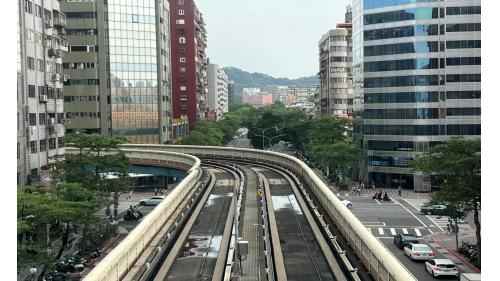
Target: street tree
{"type": "Point", "coordinates": [456, 166]}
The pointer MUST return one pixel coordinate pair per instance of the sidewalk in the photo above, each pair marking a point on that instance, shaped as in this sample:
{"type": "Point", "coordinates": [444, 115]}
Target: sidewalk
{"type": "Point", "coordinates": [391, 192]}
{"type": "Point", "coordinates": [445, 244]}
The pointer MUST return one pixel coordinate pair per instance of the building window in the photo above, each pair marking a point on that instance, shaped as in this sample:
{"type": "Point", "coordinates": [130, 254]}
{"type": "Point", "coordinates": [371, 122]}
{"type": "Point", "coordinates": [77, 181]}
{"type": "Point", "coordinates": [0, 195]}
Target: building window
{"type": "Point", "coordinates": [181, 12]}
{"type": "Point", "coordinates": [31, 63]}
{"type": "Point", "coordinates": [183, 88]}
{"type": "Point", "coordinates": [33, 147]}
{"type": "Point", "coordinates": [28, 6]}
{"type": "Point", "coordinates": [32, 119]}
{"type": "Point", "coordinates": [182, 69]}
{"type": "Point", "coordinates": [181, 21]}
{"type": "Point", "coordinates": [183, 97]}
{"type": "Point", "coordinates": [38, 11]}
{"type": "Point", "coordinates": [60, 142]}
{"type": "Point", "coordinates": [182, 40]}
{"type": "Point", "coordinates": [40, 65]}
{"type": "Point", "coordinates": [181, 2]}
{"type": "Point", "coordinates": [43, 145]}
{"type": "Point", "coordinates": [52, 143]}
{"type": "Point", "coordinates": [18, 151]}
{"type": "Point", "coordinates": [31, 91]}
{"type": "Point", "coordinates": [42, 118]}
{"type": "Point", "coordinates": [181, 31]}
{"type": "Point", "coordinates": [181, 50]}
{"type": "Point", "coordinates": [29, 34]}
{"type": "Point", "coordinates": [182, 59]}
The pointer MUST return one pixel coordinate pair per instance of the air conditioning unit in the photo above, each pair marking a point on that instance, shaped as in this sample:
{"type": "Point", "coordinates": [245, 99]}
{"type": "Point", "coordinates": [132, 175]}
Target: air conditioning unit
{"type": "Point", "coordinates": [65, 78]}
{"type": "Point", "coordinates": [43, 98]}
{"type": "Point", "coordinates": [52, 121]}
{"type": "Point", "coordinates": [56, 77]}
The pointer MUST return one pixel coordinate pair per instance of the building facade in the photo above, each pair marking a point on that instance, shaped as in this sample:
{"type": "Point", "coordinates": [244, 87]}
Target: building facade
{"type": "Point", "coordinates": [231, 93]}
{"type": "Point", "coordinates": [40, 113]}
{"type": "Point", "coordinates": [418, 71]}
{"type": "Point", "coordinates": [217, 91]}
{"type": "Point", "coordinates": [300, 95]}
{"type": "Point", "coordinates": [189, 76]}
{"type": "Point", "coordinates": [119, 68]}
{"type": "Point", "coordinates": [336, 80]}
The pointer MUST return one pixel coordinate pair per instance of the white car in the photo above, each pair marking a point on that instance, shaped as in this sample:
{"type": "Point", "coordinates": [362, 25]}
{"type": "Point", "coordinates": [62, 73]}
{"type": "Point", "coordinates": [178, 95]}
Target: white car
{"type": "Point", "coordinates": [346, 203]}
{"type": "Point", "coordinates": [441, 267]}
{"type": "Point", "coordinates": [153, 201]}
{"type": "Point", "coordinates": [419, 252]}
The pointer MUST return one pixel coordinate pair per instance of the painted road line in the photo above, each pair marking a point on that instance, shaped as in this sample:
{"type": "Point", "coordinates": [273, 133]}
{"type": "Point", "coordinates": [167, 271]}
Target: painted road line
{"type": "Point", "coordinates": [435, 223]}
{"type": "Point", "coordinates": [381, 231]}
{"type": "Point", "coordinates": [405, 231]}
{"type": "Point", "coordinates": [378, 202]}
{"type": "Point", "coordinates": [430, 230]}
{"type": "Point", "coordinates": [393, 231]}
{"type": "Point", "coordinates": [417, 231]}
{"type": "Point", "coordinates": [411, 212]}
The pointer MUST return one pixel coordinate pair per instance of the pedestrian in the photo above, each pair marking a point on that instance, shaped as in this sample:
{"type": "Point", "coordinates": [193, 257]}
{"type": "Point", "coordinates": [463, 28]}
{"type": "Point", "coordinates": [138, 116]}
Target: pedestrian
{"type": "Point", "coordinates": [399, 190]}
{"type": "Point", "coordinates": [362, 185]}
{"type": "Point", "coordinates": [156, 191]}
{"type": "Point", "coordinates": [448, 227]}
{"type": "Point", "coordinates": [130, 194]}
{"type": "Point", "coordinates": [373, 184]}
{"type": "Point", "coordinates": [33, 271]}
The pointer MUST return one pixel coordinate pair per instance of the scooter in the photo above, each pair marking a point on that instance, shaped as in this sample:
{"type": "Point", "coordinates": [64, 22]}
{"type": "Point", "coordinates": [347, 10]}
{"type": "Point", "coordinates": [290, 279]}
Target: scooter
{"type": "Point", "coordinates": [129, 216]}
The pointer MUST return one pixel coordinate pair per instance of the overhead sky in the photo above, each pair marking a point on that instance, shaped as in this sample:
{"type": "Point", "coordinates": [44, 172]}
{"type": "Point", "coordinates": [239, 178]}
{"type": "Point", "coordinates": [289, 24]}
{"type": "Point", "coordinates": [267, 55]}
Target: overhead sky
{"type": "Point", "coordinates": [275, 37]}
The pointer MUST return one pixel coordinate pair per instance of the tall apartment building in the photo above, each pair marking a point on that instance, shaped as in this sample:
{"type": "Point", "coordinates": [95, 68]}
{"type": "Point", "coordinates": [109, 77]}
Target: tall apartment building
{"type": "Point", "coordinates": [189, 76]}
{"type": "Point", "coordinates": [336, 81]}
{"type": "Point", "coordinates": [40, 115]}
{"type": "Point", "coordinates": [418, 72]}
{"type": "Point", "coordinates": [119, 68]}
{"type": "Point", "coordinates": [217, 91]}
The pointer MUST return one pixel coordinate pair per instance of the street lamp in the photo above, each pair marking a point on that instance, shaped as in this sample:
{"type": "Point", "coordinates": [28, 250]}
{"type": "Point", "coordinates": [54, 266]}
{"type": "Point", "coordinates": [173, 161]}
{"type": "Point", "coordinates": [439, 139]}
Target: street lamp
{"type": "Point", "coordinates": [271, 139]}
{"type": "Point", "coordinates": [264, 131]}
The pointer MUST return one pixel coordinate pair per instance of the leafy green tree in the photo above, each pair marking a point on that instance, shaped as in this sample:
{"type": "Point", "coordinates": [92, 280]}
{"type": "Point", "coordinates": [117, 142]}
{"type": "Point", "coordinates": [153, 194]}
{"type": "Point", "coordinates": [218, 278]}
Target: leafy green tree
{"type": "Point", "coordinates": [456, 166]}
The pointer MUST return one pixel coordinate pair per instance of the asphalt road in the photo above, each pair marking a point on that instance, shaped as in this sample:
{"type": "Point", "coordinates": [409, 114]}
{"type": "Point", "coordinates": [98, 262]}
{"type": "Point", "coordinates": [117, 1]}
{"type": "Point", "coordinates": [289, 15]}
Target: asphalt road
{"type": "Point", "coordinates": [386, 219]}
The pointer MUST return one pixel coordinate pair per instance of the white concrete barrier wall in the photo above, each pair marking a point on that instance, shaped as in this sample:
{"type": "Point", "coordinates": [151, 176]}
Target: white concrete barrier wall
{"type": "Point", "coordinates": [379, 260]}
{"type": "Point", "coordinates": [118, 262]}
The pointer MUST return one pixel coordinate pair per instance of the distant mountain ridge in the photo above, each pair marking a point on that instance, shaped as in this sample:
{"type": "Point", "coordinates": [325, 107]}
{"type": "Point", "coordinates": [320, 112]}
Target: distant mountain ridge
{"type": "Point", "coordinates": [244, 79]}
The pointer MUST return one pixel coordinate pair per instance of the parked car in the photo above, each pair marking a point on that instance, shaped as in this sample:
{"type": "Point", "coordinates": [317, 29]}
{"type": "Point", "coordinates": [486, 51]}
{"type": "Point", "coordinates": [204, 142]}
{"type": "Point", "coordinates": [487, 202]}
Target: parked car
{"type": "Point", "coordinates": [346, 203]}
{"type": "Point", "coordinates": [153, 201]}
{"type": "Point", "coordinates": [433, 210]}
{"type": "Point", "coordinates": [441, 267]}
{"type": "Point", "coordinates": [419, 251]}
{"type": "Point", "coordinates": [402, 240]}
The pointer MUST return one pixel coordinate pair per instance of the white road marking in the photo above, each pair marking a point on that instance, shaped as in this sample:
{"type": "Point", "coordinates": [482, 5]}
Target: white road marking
{"type": "Point", "coordinates": [405, 231]}
{"type": "Point", "coordinates": [381, 231]}
{"type": "Point", "coordinates": [393, 231]}
{"type": "Point", "coordinates": [425, 215]}
{"type": "Point", "coordinates": [410, 212]}
{"type": "Point", "coordinates": [430, 230]}
{"type": "Point", "coordinates": [418, 232]}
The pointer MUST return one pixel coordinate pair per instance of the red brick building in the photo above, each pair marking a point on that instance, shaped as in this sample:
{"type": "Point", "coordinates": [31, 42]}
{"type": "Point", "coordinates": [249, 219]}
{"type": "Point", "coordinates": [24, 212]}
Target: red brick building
{"type": "Point", "coordinates": [188, 58]}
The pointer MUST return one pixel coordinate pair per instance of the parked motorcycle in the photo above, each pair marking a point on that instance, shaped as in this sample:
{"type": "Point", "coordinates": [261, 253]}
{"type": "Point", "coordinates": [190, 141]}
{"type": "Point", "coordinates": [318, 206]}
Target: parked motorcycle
{"type": "Point", "coordinates": [129, 216]}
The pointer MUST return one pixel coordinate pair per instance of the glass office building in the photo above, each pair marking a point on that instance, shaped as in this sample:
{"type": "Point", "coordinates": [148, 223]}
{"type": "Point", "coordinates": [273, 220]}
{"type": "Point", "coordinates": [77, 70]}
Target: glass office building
{"type": "Point", "coordinates": [417, 72]}
{"type": "Point", "coordinates": [127, 48]}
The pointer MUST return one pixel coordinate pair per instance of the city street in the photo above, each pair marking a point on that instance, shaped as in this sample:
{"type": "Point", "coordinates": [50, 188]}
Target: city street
{"type": "Point", "coordinates": [401, 215]}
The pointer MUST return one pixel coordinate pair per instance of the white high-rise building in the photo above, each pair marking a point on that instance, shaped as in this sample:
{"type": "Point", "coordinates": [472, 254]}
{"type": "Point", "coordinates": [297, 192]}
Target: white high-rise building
{"type": "Point", "coordinates": [217, 91]}
{"type": "Point", "coordinates": [40, 129]}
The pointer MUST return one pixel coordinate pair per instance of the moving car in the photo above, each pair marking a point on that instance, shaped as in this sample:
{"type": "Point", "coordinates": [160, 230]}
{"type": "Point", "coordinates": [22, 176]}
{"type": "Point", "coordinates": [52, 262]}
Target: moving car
{"type": "Point", "coordinates": [433, 210]}
{"type": "Point", "coordinates": [346, 203]}
{"type": "Point", "coordinates": [441, 267]}
{"type": "Point", "coordinates": [153, 201]}
{"type": "Point", "coordinates": [419, 251]}
{"type": "Point", "coordinates": [402, 240]}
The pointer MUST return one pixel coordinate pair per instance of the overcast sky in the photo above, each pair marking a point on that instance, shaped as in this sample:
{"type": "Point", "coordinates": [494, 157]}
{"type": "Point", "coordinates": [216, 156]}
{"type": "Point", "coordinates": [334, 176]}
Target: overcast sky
{"type": "Point", "coordinates": [275, 37]}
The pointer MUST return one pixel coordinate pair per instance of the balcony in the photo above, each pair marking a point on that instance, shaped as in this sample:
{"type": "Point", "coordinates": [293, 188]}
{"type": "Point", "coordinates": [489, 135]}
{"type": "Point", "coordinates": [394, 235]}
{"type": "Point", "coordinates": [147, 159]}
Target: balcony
{"type": "Point", "coordinates": [60, 20]}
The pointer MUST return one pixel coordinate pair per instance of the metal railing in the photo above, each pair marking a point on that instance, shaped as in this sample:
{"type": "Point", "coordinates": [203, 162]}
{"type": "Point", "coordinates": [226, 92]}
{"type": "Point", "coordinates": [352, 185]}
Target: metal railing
{"type": "Point", "coordinates": [379, 261]}
{"type": "Point", "coordinates": [119, 261]}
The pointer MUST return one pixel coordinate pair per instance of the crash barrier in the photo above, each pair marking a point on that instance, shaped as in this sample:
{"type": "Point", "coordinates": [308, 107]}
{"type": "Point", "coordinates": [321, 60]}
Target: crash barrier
{"type": "Point", "coordinates": [119, 261]}
{"type": "Point", "coordinates": [378, 260]}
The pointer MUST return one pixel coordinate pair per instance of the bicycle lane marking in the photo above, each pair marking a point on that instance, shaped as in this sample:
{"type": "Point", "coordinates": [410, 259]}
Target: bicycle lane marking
{"type": "Point", "coordinates": [430, 219]}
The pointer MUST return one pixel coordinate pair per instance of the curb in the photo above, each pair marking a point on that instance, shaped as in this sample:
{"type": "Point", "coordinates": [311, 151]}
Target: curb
{"type": "Point", "coordinates": [457, 255]}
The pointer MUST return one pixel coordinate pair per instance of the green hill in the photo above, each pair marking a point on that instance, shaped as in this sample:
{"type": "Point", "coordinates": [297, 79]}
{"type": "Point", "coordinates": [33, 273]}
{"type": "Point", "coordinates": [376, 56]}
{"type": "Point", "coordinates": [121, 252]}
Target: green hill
{"type": "Point", "coordinates": [244, 79]}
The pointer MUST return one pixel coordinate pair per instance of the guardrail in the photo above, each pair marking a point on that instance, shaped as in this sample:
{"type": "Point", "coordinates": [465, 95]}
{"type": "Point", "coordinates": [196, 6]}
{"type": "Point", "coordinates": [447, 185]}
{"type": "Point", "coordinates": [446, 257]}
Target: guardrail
{"type": "Point", "coordinates": [118, 262]}
{"type": "Point", "coordinates": [379, 261]}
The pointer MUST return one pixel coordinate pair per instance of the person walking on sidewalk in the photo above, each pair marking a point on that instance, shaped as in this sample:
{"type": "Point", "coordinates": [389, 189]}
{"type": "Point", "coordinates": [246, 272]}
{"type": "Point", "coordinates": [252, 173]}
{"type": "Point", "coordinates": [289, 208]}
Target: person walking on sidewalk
{"type": "Point", "coordinates": [130, 194]}
{"type": "Point", "coordinates": [399, 191]}
{"type": "Point", "coordinates": [32, 275]}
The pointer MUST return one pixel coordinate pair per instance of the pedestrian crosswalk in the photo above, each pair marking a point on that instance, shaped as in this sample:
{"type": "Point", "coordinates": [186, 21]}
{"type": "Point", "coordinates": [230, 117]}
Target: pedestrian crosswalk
{"type": "Point", "coordinates": [393, 231]}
